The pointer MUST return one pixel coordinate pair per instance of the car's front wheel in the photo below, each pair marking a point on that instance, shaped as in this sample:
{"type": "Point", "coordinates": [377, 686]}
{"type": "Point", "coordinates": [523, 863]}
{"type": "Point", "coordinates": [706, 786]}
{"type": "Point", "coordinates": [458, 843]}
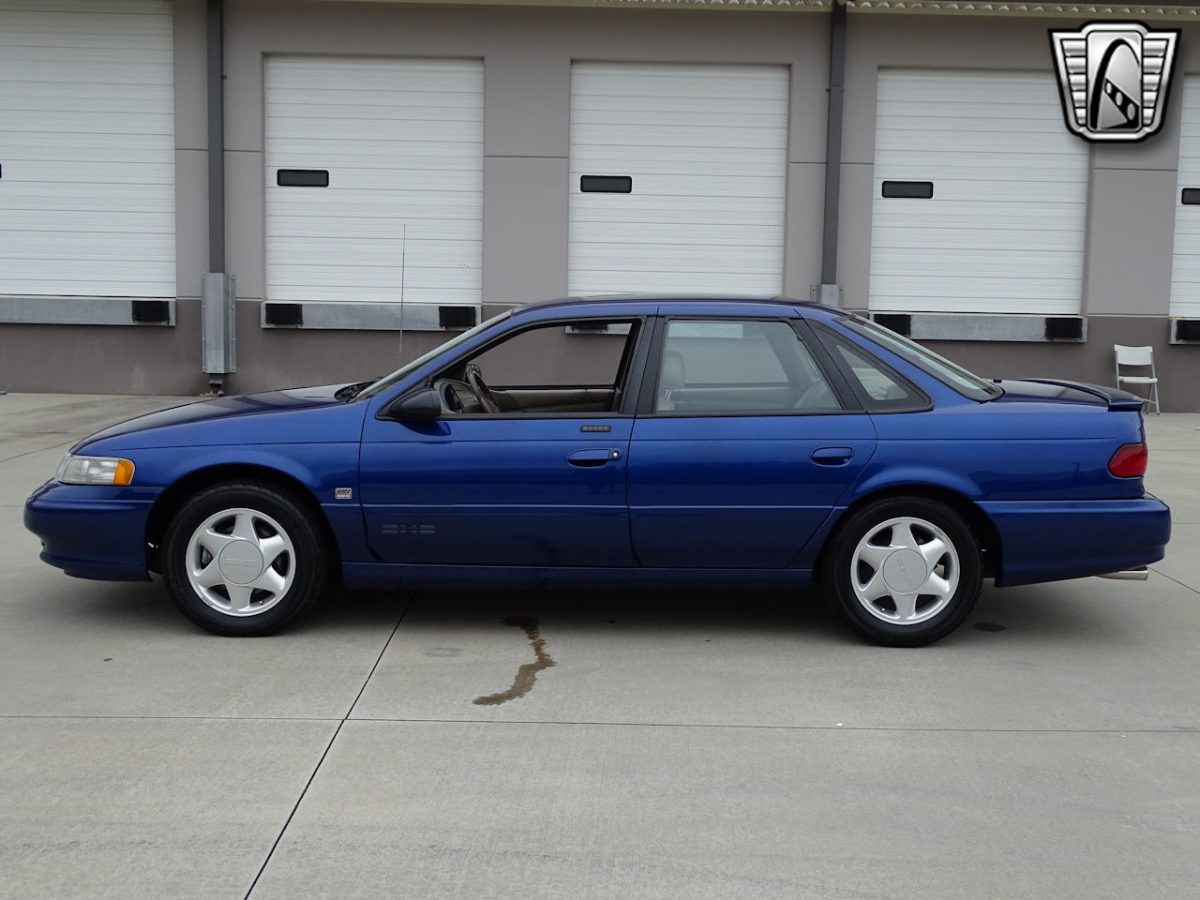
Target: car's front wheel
{"type": "Point", "coordinates": [904, 571]}
{"type": "Point", "coordinates": [243, 559]}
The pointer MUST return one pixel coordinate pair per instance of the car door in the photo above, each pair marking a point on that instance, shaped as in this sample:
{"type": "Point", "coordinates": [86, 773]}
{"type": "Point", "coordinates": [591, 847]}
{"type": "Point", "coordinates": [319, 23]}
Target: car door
{"type": "Point", "coordinates": [745, 441]}
{"type": "Point", "coordinates": [526, 485]}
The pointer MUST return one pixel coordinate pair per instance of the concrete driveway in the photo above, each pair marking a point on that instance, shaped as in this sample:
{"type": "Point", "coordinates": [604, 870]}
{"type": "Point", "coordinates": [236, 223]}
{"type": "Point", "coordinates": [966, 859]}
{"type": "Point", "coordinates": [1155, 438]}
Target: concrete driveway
{"type": "Point", "coordinates": [689, 746]}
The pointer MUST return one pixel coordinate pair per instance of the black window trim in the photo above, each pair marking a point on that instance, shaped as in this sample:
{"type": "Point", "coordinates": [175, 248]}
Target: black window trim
{"type": "Point", "coordinates": [632, 376]}
{"type": "Point", "coordinates": [830, 339]}
{"type": "Point", "coordinates": [649, 391]}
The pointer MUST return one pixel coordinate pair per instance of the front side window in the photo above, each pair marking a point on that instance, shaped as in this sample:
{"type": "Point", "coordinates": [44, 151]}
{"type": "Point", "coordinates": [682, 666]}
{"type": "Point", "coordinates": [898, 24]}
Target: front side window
{"type": "Point", "coordinates": [563, 367]}
{"type": "Point", "coordinates": [387, 381]}
{"type": "Point", "coordinates": [714, 367]}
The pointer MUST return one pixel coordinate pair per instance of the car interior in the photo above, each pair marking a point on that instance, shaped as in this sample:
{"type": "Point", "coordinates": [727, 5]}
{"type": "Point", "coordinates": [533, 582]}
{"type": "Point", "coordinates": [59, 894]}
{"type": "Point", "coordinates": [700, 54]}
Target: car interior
{"type": "Point", "coordinates": [707, 367]}
{"type": "Point", "coordinates": [573, 367]}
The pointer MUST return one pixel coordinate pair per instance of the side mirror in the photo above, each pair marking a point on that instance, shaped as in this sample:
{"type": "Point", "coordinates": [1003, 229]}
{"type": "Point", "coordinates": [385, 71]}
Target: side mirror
{"type": "Point", "coordinates": [421, 405]}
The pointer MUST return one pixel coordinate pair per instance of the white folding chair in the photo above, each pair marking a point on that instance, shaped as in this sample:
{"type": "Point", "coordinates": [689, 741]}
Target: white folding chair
{"type": "Point", "coordinates": [1138, 358]}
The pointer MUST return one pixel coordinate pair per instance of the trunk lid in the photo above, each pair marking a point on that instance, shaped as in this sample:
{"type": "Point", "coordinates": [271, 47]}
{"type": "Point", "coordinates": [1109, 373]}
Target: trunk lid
{"type": "Point", "coordinates": [1055, 390]}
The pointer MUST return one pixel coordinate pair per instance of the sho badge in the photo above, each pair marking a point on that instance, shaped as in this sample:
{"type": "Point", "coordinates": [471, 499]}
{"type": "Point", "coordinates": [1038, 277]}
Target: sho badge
{"type": "Point", "coordinates": [1113, 78]}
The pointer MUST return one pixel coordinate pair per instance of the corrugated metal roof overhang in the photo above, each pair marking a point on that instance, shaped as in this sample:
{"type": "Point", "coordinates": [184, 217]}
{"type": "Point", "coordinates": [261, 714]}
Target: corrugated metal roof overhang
{"type": "Point", "coordinates": [1185, 10]}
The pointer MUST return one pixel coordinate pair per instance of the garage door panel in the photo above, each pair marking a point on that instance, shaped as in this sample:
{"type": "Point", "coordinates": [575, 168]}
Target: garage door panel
{"type": "Point", "coordinates": [87, 133]}
{"type": "Point", "coordinates": [981, 263]}
{"type": "Point", "coordinates": [435, 255]}
{"type": "Point", "coordinates": [1185, 271]}
{"type": "Point", "coordinates": [375, 291]}
{"type": "Point", "coordinates": [706, 148]}
{"type": "Point", "coordinates": [950, 141]}
{"type": "Point", "coordinates": [1004, 230]}
{"type": "Point", "coordinates": [900, 237]}
{"type": "Point", "coordinates": [402, 141]}
{"type": "Point", "coordinates": [684, 136]}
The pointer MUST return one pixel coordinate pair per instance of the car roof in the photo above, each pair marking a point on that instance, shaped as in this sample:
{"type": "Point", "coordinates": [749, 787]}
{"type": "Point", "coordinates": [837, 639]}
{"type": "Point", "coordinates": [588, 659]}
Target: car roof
{"type": "Point", "coordinates": [666, 299]}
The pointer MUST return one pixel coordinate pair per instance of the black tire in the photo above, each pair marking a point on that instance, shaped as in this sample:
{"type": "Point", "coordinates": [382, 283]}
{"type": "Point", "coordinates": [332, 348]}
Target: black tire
{"type": "Point", "coordinates": [305, 565]}
{"type": "Point", "coordinates": [839, 568]}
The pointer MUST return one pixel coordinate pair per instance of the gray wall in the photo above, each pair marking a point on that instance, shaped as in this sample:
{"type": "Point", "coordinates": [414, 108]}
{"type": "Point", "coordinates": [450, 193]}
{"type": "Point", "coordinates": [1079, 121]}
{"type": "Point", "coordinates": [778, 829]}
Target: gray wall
{"type": "Point", "coordinates": [528, 53]}
{"type": "Point", "coordinates": [1131, 201]}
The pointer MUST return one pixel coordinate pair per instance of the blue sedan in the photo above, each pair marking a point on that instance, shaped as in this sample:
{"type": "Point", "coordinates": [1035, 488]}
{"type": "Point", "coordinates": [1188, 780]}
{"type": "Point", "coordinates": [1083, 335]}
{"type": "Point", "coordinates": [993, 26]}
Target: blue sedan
{"type": "Point", "coordinates": [615, 441]}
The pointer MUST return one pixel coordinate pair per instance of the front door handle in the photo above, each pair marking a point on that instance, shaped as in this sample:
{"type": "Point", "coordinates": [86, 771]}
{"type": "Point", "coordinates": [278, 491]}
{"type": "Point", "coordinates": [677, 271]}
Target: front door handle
{"type": "Point", "coordinates": [593, 458]}
{"type": "Point", "coordinates": [832, 456]}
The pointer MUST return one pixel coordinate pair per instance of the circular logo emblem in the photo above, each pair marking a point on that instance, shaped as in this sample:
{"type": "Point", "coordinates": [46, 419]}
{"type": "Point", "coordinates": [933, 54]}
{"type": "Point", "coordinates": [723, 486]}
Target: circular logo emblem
{"type": "Point", "coordinates": [905, 571]}
{"type": "Point", "coordinates": [241, 562]}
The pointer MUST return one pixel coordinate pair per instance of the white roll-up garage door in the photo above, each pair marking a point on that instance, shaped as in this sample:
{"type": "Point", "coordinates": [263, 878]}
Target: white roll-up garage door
{"type": "Point", "coordinates": [87, 148]}
{"type": "Point", "coordinates": [705, 149]}
{"type": "Point", "coordinates": [1004, 229]}
{"type": "Point", "coordinates": [402, 214]}
{"type": "Point", "coordinates": [1185, 272]}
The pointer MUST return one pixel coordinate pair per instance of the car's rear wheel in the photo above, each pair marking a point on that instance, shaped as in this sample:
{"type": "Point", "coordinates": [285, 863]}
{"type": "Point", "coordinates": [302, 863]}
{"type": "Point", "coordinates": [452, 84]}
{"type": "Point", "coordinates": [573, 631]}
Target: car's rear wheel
{"type": "Point", "coordinates": [243, 559]}
{"type": "Point", "coordinates": [904, 571]}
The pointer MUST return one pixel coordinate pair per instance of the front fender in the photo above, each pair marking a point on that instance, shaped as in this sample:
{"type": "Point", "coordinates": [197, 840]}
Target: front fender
{"type": "Point", "coordinates": [324, 470]}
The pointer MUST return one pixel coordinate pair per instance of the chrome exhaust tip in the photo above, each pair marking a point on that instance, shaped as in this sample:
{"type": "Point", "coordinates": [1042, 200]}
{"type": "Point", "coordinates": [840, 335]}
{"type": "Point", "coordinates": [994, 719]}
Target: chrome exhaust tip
{"type": "Point", "coordinates": [1141, 573]}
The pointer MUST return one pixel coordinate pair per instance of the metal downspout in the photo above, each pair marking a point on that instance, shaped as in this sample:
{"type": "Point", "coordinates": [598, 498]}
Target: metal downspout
{"type": "Point", "coordinates": [829, 292]}
{"type": "Point", "coordinates": [217, 290]}
{"type": "Point", "coordinates": [216, 137]}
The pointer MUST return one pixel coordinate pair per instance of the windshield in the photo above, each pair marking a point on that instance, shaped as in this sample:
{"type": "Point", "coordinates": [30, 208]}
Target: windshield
{"type": "Point", "coordinates": [950, 374]}
{"type": "Point", "coordinates": [388, 380]}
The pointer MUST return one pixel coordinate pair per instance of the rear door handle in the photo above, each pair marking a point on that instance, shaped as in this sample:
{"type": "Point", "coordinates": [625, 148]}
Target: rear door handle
{"type": "Point", "coordinates": [593, 458]}
{"type": "Point", "coordinates": [832, 456]}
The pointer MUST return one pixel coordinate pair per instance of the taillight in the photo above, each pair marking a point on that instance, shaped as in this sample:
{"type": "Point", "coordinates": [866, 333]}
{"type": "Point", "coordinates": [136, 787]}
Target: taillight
{"type": "Point", "coordinates": [1129, 461]}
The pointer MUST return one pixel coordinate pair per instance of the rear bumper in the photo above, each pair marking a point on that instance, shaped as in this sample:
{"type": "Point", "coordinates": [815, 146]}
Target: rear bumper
{"type": "Point", "coordinates": [1054, 540]}
{"type": "Point", "coordinates": [90, 532]}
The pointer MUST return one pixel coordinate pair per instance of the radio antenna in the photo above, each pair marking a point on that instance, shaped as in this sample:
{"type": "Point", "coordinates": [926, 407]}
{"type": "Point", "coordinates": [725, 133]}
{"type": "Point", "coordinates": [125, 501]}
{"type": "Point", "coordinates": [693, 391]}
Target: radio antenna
{"type": "Point", "coordinates": [403, 259]}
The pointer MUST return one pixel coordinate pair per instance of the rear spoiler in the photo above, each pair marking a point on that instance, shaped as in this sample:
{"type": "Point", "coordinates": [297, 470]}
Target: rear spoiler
{"type": "Point", "coordinates": [1117, 399]}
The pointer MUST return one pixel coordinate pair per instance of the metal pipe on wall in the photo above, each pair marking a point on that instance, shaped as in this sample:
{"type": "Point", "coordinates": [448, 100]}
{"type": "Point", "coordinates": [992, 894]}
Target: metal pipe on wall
{"type": "Point", "coordinates": [216, 137]}
{"type": "Point", "coordinates": [218, 292]}
{"type": "Point", "coordinates": [829, 291]}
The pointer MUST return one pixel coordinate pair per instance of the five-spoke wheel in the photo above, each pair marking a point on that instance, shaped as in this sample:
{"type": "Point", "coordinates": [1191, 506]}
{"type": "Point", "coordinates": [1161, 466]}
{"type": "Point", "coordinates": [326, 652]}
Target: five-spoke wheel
{"type": "Point", "coordinates": [240, 561]}
{"type": "Point", "coordinates": [243, 558]}
{"type": "Point", "coordinates": [905, 571]}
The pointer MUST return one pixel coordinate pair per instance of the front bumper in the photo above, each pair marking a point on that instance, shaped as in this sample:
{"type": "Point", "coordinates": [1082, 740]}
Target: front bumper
{"type": "Point", "coordinates": [1054, 540]}
{"type": "Point", "coordinates": [91, 531]}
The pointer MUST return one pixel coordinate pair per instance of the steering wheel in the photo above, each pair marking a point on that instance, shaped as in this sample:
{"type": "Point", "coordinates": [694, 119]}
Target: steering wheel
{"type": "Point", "coordinates": [474, 378]}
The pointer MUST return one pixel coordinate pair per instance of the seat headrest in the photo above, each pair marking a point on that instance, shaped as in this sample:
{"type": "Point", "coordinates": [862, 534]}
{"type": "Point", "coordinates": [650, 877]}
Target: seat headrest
{"type": "Point", "coordinates": [673, 373]}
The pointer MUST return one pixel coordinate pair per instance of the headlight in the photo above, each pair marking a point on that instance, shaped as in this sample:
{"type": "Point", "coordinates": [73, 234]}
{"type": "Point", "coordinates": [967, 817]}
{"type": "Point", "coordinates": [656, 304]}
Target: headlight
{"type": "Point", "coordinates": [94, 470]}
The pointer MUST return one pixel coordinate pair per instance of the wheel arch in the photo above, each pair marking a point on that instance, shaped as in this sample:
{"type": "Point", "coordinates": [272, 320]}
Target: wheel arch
{"type": "Point", "coordinates": [174, 495]}
{"type": "Point", "coordinates": [975, 518]}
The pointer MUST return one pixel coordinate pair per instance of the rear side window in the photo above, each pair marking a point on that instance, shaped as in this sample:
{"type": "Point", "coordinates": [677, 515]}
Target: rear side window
{"type": "Point", "coordinates": [879, 389]}
{"type": "Point", "coordinates": [720, 367]}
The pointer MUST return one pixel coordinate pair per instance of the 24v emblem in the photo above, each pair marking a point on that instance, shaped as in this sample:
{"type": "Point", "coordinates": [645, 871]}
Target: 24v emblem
{"type": "Point", "coordinates": [1114, 78]}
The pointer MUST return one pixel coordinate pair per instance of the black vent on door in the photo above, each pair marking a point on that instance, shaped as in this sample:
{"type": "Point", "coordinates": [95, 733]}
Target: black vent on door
{"type": "Point", "coordinates": [151, 312]}
{"type": "Point", "coordinates": [901, 323]}
{"type": "Point", "coordinates": [1187, 329]}
{"type": "Point", "coordinates": [302, 177]}
{"type": "Point", "coordinates": [606, 184]}
{"type": "Point", "coordinates": [1064, 328]}
{"type": "Point", "coordinates": [457, 317]}
{"type": "Point", "coordinates": [908, 190]}
{"type": "Point", "coordinates": [287, 314]}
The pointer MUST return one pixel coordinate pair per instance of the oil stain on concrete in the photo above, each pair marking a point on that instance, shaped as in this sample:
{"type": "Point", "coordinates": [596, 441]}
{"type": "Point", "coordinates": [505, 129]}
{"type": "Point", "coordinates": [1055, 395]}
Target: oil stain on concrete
{"type": "Point", "coordinates": [527, 674]}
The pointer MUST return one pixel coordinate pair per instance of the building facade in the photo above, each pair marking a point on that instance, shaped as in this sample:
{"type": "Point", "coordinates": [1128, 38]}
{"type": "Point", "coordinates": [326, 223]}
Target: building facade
{"type": "Point", "coordinates": [360, 179]}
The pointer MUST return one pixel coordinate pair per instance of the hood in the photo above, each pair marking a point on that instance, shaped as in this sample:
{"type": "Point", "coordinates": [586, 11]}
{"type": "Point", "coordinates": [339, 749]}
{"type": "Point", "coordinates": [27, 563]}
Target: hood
{"type": "Point", "coordinates": [309, 415]}
{"type": "Point", "coordinates": [1050, 390]}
